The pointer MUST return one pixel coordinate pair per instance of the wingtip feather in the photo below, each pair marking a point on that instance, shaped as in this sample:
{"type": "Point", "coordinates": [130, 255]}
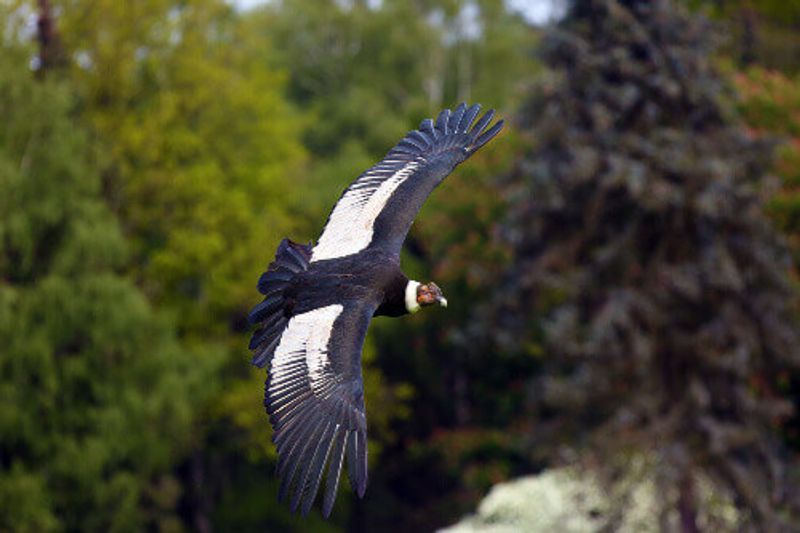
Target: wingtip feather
{"type": "Point", "coordinates": [458, 114]}
{"type": "Point", "coordinates": [426, 125]}
{"type": "Point", "coordinates": [442, 120]}
{"type": "Point", "coordinates": [488, 135]}
{"type": "Point", "coordinates": [469, 117]}
{"type": "Point", "coordinates": [481, 124]}
{"type": "Point", "coordinates": [334, 472]}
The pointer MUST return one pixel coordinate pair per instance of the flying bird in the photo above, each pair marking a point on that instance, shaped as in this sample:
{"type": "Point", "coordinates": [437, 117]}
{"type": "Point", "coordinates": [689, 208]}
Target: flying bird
{"type": "Point", "coordinates": [319, 300]}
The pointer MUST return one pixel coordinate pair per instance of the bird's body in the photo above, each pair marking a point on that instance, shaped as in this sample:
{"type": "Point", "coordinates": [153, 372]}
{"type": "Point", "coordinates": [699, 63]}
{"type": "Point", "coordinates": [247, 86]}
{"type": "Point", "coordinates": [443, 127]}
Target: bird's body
{"type": "Point", "coordinates": [319, 301]}
{"type": "Point", "coordinates": [371, 276]}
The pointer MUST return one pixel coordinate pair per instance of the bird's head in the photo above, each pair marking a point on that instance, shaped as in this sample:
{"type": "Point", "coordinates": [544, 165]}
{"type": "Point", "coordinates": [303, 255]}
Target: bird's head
{"type": "Point", "coordinates": [419, 295]}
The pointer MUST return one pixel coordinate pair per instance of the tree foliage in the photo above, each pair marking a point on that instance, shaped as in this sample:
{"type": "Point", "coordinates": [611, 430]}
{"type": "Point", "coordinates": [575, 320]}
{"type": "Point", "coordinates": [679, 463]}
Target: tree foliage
{"type": "Point", "coordinates": [201, 144]}
{"type": "Point", "coordinates": [770, 103]}
{"type": "Point", "coordinates": [762, 32]}
{"type": "Point", "coordinates": [637, 223]}
{"type": "Point", "coordinates": [96, 396]}
{"type": "Point", "coordinates": [168, 146]}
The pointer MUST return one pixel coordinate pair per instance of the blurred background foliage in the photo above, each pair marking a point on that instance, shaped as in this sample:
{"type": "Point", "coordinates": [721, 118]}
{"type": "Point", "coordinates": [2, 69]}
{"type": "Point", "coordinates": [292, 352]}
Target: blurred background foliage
{"type": "Point", "coordinates": [153, 154]}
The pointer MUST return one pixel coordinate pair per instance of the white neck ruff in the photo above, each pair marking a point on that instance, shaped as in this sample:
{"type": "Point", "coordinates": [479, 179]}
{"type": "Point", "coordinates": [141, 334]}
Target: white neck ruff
{"type": "Point", "coordinates": [412, 306]}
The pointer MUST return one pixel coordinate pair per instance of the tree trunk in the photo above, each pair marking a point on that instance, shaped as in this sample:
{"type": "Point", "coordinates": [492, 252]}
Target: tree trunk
{"type": "Point", "coordinates": [50, 52]}
{"type": "Point", "coordinates": [749, 35]}
{"type": "Point", "coordinates": [200, 519]}
{"type": "Point", "coordinates": [687, 506]}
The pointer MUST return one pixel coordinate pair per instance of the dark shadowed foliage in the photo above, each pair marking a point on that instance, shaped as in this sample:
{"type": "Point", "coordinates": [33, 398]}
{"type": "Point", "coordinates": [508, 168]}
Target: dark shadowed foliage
{"type": "Point", "coordinates": [637, 225]}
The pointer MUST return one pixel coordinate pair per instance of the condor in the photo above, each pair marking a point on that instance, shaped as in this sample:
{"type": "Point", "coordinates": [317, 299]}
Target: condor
{"type": "Point", "coordinates": [318, 303]}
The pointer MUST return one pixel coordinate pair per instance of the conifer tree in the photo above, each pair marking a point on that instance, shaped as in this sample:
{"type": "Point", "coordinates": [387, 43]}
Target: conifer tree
{"type": "Point", "coordinates": [636, 222]}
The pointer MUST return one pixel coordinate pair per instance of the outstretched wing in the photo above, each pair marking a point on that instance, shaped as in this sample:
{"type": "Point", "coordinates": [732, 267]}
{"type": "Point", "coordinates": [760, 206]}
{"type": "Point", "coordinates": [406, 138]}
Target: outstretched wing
{"type": "Point", "coordinates": [315, 398]}
{"type": "Point", "coordinates": [377, 209]}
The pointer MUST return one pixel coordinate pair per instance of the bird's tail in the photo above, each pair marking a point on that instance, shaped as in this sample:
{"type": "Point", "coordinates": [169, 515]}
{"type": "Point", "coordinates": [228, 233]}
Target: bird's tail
{"type": "Point", "coordinates": [271, 314]}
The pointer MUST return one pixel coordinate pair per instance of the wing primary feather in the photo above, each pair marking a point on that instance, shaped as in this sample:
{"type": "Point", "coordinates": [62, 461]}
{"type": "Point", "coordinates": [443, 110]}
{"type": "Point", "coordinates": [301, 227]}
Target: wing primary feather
{"type": "Point", "coordinates": [277, 275]}
{"type": "Point", "coordinates": [468, 117]}
{"type": "Point", "coordinates": [294, 459]}
{"type": "Point", "coordinates": [274, 320]}
{"type": "Point", "coordinates": [427, 126]}
{"type": "Point", "coordinates": [285, 437]}
{"type": "Point", "coordinates": [352, 469]}
{"type": "Point", "coordinates": [314, 470]}
{"type": "Point", "coordinates": [482, 123]}
{"type": "Point", "coordinates": [357, 462]}
{"type": "Point", "coordinates": [267, 286]}
{"type": "Point", "coordinates": [334, 472]}
{"type": "Point", "coordinates": [455, 118]}
{"type": "Point", "coordinates": [262, 310]}
{"type": "Point", "coordinates": [487, 135]}
{"type": "Point", "coordinates": [265, 353]}
{"type": "Point", "coordinates": [361, 463]}
{"type": "Point", "coordinates": [294, 428]}
{"type": "Point", "coordinates": [288, 436]}
{"type": "Point", "coordinates": [320, 461]}
{"type": "Point", "coordinates": [300, 439]}
{"type": "Point", "coordinates": [261, 335]}
{"type": "Point", "coordinates": [306, 461]}
{"type": "Point", "coordinates": [284, 418]}
{"type": "Point", "coordinates": [441, 121]}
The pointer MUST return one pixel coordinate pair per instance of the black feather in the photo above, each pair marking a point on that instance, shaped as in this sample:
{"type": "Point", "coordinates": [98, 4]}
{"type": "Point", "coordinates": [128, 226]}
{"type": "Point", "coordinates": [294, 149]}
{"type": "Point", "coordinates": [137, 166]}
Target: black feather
{"type": "Point", "coordinates": [455, 118]}
{"type": "Point", "coordinates": [421, 138]}
{"type": "Point", "coordinates": [297, 447]}
{"type": "Point", "coordinates": [266, 286]}
{"type": "Point", "coordinates": [334, 472]}
{"type": "Point", "coordinates": [301, 459]}
{"type": "Point", "coordinates": [265, 308]}
{"type": "Point", "coordinates": [318, 469]}
{"type": "Point", "coordinates": [264, 354]}
{"type": "Point", "coordinates": [482, 123]}
{"type": "Point", "coordinates": [307, 488]}
{"type": "Point", "coordinates": [487, 135]}
{"type": "Point", "coordinates": [299, 260]}
{"type": "Point", "coordinates": [441, 122]}
{"type": "Point", "coordinates": [469, 116]}
{"type": "Point", "coordinates": [272, 329]}
{"type": "Point", "coordinates": [427, 126]}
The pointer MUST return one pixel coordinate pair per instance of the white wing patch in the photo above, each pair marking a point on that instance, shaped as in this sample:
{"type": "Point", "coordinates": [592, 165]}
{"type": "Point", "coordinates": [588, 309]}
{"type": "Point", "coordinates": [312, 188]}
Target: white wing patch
{"type": "Point", "coordinates": [350, 226]}
{"type": "Point", "coordinates": [303, 352]}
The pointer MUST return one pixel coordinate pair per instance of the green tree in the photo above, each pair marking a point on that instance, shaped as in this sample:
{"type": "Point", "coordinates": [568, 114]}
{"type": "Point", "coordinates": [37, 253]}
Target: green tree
{"type": "Point", "coordinates": [206, 173]}
{"type": "Point", "coordinates": [770, 103]}
{"type": "Point", "coordinates": [759, 32]}
{"type": "Point", "coordinates": [636, 222]}
{"type": "Point", "coordinates": [203, 147]}
{"type": "Point", "coordinates": [96, 396]}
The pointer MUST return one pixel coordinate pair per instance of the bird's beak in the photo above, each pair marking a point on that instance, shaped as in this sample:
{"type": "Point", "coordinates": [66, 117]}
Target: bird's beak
{"type": "Point", "coordinates": [443, 301]}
